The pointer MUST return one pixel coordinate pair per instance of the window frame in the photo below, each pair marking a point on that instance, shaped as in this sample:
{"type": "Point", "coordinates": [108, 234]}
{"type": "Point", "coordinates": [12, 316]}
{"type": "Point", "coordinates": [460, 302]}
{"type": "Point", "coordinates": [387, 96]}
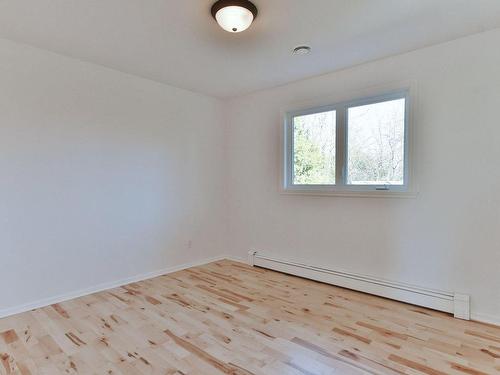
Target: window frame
{"type": "Point", "coordinates": [341, 163]}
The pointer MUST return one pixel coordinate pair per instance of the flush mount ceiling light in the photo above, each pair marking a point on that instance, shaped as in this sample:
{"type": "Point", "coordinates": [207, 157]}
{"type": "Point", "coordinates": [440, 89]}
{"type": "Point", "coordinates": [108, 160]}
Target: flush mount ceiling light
{"type": "Point", "coordinates": [234, 15]}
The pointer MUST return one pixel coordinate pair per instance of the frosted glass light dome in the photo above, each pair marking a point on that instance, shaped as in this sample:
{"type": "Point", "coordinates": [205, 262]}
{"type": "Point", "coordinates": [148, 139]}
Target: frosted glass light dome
{"type": "Point", "coordinates": [234, 19]}
{"type": "Point", "coordinates": [234, 16]}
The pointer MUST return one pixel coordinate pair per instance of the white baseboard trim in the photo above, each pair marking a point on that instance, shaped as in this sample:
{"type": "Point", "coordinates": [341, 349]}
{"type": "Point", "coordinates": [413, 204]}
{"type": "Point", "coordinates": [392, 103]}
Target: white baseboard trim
{"type": "Point", "coordinates": [485, 318]}
{"type": "Point", "coordinates": [109, 285]}
{"type": "Point", "coordinates": [234, 259]}
{"type": "Point", "coordinates": [451, 302]}
{"type": "Point", "coordinates": [479, 317]}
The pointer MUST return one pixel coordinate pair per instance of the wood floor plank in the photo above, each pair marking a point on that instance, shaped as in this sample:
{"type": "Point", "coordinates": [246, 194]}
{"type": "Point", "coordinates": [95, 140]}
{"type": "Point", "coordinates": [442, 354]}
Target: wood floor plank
{"type": "Point", "coordinates": [229, 318]}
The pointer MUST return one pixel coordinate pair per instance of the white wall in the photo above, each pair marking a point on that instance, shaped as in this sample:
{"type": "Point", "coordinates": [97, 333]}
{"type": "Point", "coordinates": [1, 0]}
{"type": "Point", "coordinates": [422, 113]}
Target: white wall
{"type": "Point", "coordinates": [103, 176]}
{"type": "Point", "coordinates": [447, 238]}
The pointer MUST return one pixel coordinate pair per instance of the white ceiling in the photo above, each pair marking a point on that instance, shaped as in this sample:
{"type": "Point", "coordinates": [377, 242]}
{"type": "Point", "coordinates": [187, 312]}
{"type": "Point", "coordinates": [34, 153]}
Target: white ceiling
{"type": "Point", "coordinates": [178, 43]}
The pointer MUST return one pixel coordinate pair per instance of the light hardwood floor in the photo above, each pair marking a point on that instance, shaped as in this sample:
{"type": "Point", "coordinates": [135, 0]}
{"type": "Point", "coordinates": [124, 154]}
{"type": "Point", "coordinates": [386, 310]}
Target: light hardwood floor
{"type": "Point", "coordinates": [229, 318]}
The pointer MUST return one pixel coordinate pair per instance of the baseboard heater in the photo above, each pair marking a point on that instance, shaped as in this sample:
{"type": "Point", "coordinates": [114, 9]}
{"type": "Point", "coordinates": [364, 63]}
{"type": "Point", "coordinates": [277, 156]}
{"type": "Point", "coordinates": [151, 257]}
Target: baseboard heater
{"type": "Point", "coordinates": [455, 303]}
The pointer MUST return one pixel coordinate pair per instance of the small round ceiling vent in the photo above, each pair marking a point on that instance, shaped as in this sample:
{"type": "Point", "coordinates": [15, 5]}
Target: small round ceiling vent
{"type": "Point", "coordinates": [301, 50]}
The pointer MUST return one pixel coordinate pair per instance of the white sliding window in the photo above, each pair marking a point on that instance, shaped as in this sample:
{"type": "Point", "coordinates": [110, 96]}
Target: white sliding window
{"type": "Point", "coordinates": [356, 146]}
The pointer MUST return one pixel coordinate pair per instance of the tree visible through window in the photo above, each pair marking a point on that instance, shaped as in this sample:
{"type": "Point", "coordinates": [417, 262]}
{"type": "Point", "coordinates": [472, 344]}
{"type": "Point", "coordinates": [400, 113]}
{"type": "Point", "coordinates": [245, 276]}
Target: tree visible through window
{"type": "Point", "coordinates": [376, 143]}
{"type": "Point", "coordinates": [314, 149]}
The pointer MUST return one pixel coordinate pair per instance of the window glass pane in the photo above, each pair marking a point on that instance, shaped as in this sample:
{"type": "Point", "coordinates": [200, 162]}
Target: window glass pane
{"type": "Point", "coordinates": [314, 149]}
{"type": "Point", "coordinates": [375, 144]}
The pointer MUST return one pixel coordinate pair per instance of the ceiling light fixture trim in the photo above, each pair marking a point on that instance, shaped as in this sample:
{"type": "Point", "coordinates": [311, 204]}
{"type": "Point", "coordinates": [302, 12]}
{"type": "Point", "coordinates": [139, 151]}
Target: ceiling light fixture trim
{"type": "Point", "coordinates": [234, 15]}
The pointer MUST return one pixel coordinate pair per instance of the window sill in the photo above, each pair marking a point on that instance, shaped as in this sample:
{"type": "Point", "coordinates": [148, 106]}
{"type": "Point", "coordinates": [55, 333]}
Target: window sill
{"type": "Point", "coordinates": [352, 194]}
